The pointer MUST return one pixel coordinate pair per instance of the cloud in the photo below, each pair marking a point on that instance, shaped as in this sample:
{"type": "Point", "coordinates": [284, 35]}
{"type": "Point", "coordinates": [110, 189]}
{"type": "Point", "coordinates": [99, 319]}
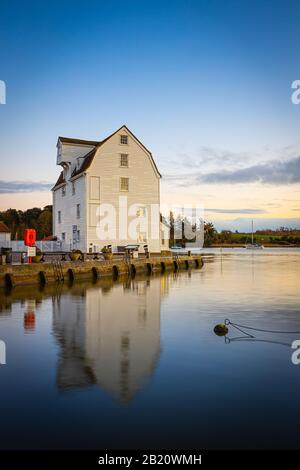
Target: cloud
{"type": "Point", "coordinates": [236, 211]}
{"type": "Point", "coordinates": [274, 172]}
{"type": "Point", "coordinates": [271, 204]}
{"type": "Point", "coordinates": [184, 180]}
{"type": "Point", "coordinates": [215, 156]}
{"type": "Point", "coordinates": [208, 156]}
{"type": "Point", "coordinates": [244, 224]}
{"type": "Point", "coordinates": [12, 187]}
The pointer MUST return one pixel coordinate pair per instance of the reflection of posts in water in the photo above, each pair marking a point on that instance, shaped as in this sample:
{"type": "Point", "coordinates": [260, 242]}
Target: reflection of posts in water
{"type": "Point", "coordinates": [111, 339]}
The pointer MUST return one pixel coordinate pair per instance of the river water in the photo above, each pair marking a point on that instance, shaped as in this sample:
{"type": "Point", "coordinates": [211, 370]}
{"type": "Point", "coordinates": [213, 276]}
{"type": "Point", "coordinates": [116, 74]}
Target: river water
{"type": "Point", "coordinates": [135, 363]}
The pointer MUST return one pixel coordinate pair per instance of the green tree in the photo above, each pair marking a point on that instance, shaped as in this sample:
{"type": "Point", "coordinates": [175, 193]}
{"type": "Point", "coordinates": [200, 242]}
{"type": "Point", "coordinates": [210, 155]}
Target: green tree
{"type": "Point", "coordinates": [44, 224]}
{"type": "Point", "coordinates": [17, 221]}
{"type": "Point", "coordinates": [210, 233]}
{"type": "Point", "coordinates": [12, 218]}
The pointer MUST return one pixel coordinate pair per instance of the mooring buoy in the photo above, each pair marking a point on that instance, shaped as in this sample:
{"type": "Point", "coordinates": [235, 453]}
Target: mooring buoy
{"type": "Point", "coordinates": [221, 329]}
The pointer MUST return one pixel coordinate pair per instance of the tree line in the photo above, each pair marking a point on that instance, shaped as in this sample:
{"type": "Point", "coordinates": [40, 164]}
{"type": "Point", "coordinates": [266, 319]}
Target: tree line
{"type": "Point", "coordinates": [37, 218]}
{"type": "Point", "coordinates": [180, 229]}
{"type": "Point", "coordinates": [41, 220]}
{"type": "Point", "coordinates": [179, 226]}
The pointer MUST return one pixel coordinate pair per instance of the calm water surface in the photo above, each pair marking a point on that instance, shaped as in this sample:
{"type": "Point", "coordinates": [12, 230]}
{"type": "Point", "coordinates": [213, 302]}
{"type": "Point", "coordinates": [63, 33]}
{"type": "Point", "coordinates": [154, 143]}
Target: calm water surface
{"type": "Point", "coordinates": [136, 364]}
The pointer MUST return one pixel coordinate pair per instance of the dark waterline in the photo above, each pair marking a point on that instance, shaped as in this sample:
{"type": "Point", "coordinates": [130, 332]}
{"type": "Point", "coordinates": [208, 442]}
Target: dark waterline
{"type": "Point", "coordinates": [136, 364]}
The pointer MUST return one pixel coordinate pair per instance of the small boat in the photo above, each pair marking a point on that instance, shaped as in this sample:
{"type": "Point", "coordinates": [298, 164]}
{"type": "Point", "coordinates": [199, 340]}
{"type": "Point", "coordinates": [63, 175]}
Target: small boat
{"type": "Point", "coordinates": [252, 245]}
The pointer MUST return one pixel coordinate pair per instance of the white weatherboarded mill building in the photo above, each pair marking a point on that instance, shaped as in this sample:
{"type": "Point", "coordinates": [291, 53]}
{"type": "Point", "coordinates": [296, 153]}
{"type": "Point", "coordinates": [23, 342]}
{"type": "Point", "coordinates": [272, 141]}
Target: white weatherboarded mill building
{"type": "Point", "coordinates": [116, 172]}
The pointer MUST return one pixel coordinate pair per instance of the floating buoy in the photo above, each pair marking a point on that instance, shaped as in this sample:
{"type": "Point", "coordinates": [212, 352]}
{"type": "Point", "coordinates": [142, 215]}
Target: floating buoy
{"type": "Point", "coordinates": [221, 329]}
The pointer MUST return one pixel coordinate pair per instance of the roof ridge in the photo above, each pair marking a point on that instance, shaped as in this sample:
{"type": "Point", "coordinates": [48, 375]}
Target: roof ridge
{"type": "Point", "coordinates": [60, 180]}
{"type": "Point", "coordinates": [4, 228]}
{"type": "Point", "coordinates": [89, 156]}
{"type": "Point", "coordinates": [70, 140]}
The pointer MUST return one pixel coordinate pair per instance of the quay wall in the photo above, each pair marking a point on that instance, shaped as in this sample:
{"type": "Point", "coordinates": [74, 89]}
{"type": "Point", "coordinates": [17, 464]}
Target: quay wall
{"type": "Point", "coordinates": [45, 273]}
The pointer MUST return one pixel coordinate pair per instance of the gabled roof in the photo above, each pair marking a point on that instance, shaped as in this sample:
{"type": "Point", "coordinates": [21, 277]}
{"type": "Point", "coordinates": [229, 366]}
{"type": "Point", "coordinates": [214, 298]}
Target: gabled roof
{"type": "Point", "coordinates": [61, 180]}
{"type": "Point", "coordinates": [4, 228]}
{"type": "Point", "coordinates": [89, 157]}
{"type": "Point", "coordinates": [71, 140]}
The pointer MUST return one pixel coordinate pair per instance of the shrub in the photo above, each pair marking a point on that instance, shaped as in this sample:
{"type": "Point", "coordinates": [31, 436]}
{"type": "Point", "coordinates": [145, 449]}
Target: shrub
{"type": "Point", "coordinates": [106, 249]}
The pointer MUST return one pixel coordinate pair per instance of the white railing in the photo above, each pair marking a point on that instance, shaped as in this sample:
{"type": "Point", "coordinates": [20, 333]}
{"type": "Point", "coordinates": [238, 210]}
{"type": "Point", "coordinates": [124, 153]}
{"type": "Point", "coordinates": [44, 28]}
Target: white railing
{"type": "Point", "coordinates": [44, 246]}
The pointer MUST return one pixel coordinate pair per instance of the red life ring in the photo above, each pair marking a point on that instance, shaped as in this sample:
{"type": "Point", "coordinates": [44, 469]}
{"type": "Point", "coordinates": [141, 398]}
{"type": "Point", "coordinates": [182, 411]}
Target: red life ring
{"type": "Point", "coordinates": [30, 236]}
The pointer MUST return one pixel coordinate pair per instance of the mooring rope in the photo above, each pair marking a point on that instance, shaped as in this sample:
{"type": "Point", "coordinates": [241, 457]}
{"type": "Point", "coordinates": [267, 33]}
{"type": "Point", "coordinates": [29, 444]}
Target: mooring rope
{"type": "Point", "coordinates": [238, 326]}
{"type": "Point", "coordinates": [254, 340]}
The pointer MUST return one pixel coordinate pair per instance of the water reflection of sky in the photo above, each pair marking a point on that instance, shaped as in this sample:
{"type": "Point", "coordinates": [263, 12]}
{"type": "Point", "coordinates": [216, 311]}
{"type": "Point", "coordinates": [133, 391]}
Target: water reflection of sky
{"type": "Point", "coordinates": [137, 364]}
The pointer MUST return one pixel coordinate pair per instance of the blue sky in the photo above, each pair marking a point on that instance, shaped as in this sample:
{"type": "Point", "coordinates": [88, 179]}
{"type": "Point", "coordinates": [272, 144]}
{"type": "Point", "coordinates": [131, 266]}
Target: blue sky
{"type": "Point", "coordinates": [206, 85]}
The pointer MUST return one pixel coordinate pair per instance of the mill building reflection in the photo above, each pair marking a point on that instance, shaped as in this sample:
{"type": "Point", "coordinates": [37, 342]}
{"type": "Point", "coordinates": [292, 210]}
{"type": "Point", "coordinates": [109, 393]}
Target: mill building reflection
{"type": "Point", "coordinates": [110, 336]}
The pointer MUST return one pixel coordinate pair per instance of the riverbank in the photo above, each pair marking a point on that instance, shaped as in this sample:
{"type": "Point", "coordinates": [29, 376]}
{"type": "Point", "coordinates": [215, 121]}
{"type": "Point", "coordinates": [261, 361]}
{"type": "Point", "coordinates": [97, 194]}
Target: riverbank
{"type": "Point", "coordinates": [45, 273]}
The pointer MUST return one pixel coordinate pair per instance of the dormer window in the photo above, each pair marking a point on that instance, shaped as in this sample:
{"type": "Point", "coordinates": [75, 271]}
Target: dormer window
{"type": "Point", "coordinates": [63, 191]}
{"type": "Point", "coordinates": [123, 139]}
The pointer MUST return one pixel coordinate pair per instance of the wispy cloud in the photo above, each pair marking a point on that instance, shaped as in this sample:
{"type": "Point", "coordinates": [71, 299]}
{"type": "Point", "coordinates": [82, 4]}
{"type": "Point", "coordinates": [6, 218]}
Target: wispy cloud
{"type": "Point", "coordinates": [12, 187]}
{"type": "Point", "coordinates": [273, 172]}
{"type": "Point", "coordinates": [191, 211]}
{"type": "Point", "coordinates": [211, 158]}
{"type": "Point", "coordinates": [236, 211]}
{"type": "Point", "coordinates": [207, 156]}
{"type": "Point", "coordinates": [244, 224]}
{"type": "Point", "coordinates": [210, 155]}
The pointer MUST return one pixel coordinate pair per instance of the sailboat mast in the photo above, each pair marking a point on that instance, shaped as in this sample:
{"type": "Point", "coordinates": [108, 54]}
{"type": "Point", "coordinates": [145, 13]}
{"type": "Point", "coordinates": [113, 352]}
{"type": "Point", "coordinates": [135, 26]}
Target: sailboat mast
{"type": "Point", "coordinates": [252, 232]}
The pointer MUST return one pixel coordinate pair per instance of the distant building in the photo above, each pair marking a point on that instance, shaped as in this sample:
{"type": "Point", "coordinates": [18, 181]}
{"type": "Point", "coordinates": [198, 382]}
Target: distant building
{"type": "Point", "coordinates": [5, 233]}
{"type": "Point", "coordinates": [105, 172]}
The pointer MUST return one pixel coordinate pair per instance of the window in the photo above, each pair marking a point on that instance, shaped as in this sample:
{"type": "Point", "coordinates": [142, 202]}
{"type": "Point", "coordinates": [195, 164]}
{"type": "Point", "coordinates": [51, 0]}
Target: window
{"type": "Point", "coordinates": [59, 217]}
{"type": "Point", "coordinates": [73, 188]}
{"type": "Point", "coordinates": [124, 159]}
{"type": "Point", "coordinates": [63, 236]}
{"type": "Point", "coordinates": [124, 139]}
{"type": "Point", "coordinates": [78, 235]}
{"type": "Point", "coordinates": [74, 233]}
{"type": "Point", "coordinates": [78, 211]}
{"type": "Point", "coordinates": [124, 184]}
{"type": "Point", "coordinates": [141, 212]}
{"type": "Point", "coordinates": [63, 191]}
{"type": "Point", "coordinates": [95, 187]}
{"type": "Point", "coordinates": [93, 215]}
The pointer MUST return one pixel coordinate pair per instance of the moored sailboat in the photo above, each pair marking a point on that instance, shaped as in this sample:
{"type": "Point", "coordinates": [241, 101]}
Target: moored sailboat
{"type": "Point", "coordinates": [252, 245]}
